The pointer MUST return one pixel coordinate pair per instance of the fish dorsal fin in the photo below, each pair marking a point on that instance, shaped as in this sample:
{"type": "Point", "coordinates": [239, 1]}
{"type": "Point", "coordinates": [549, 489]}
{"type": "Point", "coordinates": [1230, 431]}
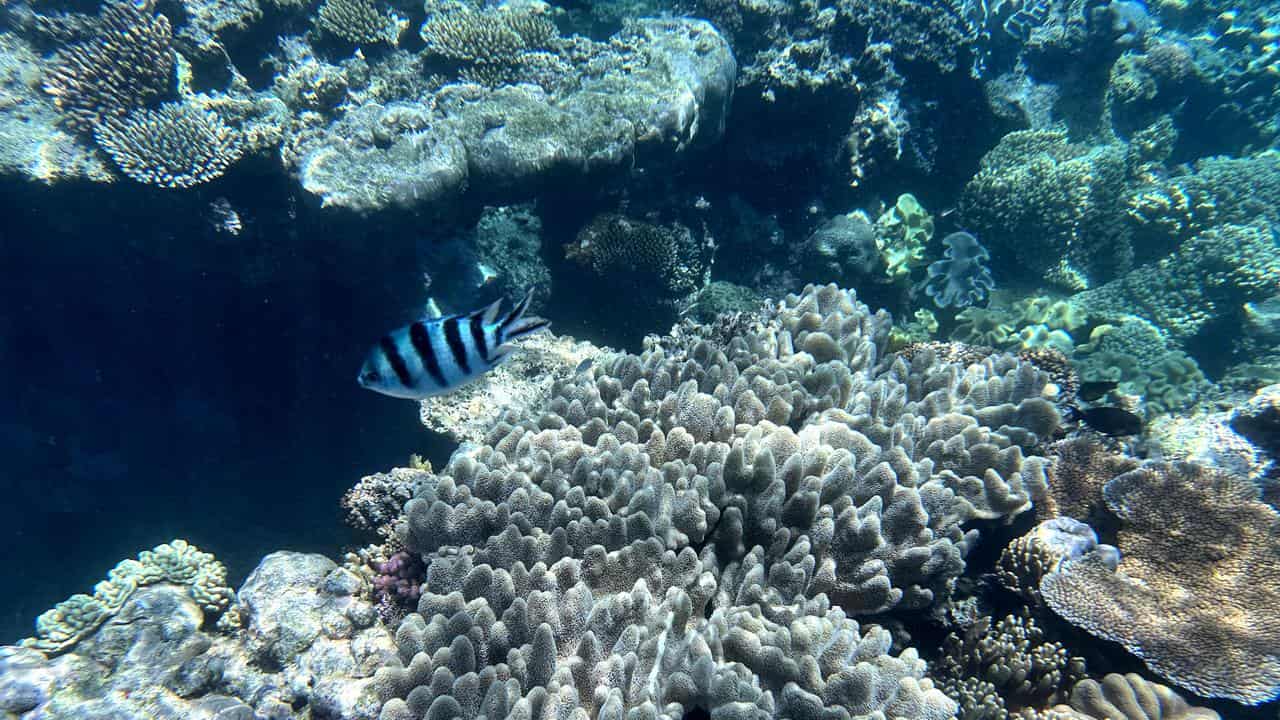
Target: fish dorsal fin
{"type": "Point", "coordinates": [489, 315]}
{"type": "Point", "coordinates": [432, 310]}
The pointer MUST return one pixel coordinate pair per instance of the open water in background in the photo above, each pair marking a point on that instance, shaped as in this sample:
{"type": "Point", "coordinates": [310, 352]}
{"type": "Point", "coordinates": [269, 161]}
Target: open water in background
{"type": "Point", "coordinates": [162, 379]}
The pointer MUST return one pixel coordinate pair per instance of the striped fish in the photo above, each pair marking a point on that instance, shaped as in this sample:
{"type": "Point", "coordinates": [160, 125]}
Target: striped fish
{"type": "Point", "coordinates": [434, 356]}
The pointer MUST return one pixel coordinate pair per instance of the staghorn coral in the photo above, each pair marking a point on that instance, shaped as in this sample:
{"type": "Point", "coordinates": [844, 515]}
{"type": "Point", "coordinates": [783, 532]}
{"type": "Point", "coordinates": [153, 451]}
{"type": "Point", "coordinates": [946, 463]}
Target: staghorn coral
{"type": "Point", "coordinates": [996, 668]}
{"type": "Point", "coordinates": [493, 36]}
{"type": "Point", "coordinates": [128, 62]}
{"type": "Point", "coordinates": [360, 22]}
{"type": "Point", "coordinates": [1196, 590]}
{"type": "Point", "coordinates": [961, 278]}
{"type": "Point", "coordinates": [177, 562]}
{"type": "Point", "coordinates": [670, 530]}
{"type": "Point", "coordinates": [177, 145]}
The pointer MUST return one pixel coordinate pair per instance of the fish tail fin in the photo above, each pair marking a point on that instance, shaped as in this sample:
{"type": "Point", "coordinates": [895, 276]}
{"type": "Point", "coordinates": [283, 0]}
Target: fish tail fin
{"type": "Point", "coordinates": [515, 324]}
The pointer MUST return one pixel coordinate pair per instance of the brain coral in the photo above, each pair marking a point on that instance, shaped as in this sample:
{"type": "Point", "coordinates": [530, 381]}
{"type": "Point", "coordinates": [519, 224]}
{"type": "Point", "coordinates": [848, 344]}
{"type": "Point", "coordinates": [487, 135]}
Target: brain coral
{"type": "Point", "coordinates": [670, 530]}
{"type": "Point", "coordinates": [1197, 589]}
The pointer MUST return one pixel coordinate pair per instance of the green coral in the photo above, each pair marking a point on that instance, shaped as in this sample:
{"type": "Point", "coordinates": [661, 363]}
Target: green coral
{"type": "Point", "coordinates": [902, 232]}
{"type": "Point", "coordinates": [1042, 336]}
{"type": "Point", "coordinates": [177, 562]}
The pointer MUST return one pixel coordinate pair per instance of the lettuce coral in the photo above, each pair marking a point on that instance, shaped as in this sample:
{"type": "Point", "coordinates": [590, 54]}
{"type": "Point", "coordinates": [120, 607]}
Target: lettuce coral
{"type": "Point", "coordinates": [902, 232]}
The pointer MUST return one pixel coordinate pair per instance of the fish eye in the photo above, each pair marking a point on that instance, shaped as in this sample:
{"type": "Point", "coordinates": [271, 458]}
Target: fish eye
{"type": "Point", "coordinates": [370, 376]}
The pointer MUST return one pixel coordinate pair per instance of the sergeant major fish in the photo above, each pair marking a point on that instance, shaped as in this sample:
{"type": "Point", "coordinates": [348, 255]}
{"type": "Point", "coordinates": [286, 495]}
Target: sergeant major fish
{"type": "Point", "coordinates": [438, 355]}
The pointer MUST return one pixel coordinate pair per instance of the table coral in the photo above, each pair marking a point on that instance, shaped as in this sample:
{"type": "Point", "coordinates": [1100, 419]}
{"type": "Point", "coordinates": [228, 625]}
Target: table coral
{"type": "Point", "coordinates": [1196, 591]}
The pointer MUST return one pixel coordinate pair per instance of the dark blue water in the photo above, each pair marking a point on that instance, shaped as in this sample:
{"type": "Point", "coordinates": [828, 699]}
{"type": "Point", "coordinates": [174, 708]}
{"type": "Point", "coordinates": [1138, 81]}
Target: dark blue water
{"type": "Point", "coordinates": [162, 379]}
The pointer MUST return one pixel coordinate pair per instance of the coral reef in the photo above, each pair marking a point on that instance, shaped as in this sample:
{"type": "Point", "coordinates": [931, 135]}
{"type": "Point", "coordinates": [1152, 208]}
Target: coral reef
{"type": "Point", "coordinates": [175, 146]}
{"type": "Point", "coordinates": [1039, 198]}
{"type": "Point", "coordinates": [360, 21]}
{"type": "Point", "coordinates": [1194, 594]}
{"type": "Point", "coordinates": [802, 469]}
{"type": "Point", "coordinates": [961, 278]}
{"type": "Point", "coordinates": [1207, 278]}
{"type": "Point", "coordinates": [995, 668]}
{"type": "Point", "coordinates": [128, 62]}
{"type": "Point", "coordinates": [659, 86]}
{"type": "Point", "coordinates": [308, 646]}
{"type": "Point", "coordinates": [176, 563]}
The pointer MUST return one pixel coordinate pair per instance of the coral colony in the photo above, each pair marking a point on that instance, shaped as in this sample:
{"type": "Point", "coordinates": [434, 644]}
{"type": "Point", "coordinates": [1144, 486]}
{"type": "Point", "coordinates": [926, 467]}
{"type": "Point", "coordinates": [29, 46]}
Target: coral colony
{"type": "Point", "coordinates": [958, 394]}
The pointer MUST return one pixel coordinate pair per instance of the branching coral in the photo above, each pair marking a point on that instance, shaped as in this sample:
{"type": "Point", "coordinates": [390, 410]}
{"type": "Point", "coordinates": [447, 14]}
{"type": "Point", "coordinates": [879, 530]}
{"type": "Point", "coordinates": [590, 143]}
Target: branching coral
{"type": "Point", "coordinates": [1197, 589]}
{"type": "Point", "coordinates": [670, 530]}
{"type": "Point", "coordinates": [997, 668]}
{"type": "Point", "coordinates": [177, 562]}
{"type": "Point", "coordinates": [176, 146]}
{"type": "Point", "coordinates": [129, 61]}
{"type": "Point", "coordinates": [495, 37]}
{"type": "Point", "coordinates": [1038, 199]}
{"type": "Point", "coordinates": [360, 21]}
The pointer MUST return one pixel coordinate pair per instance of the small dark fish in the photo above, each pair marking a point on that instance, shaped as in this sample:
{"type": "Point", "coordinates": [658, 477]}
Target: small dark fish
{"type": "Point", "coordinates": [583, 366]}
{"type": "Point", "coordinates": [1112, 421]}
{"type": "Point", "coordinates": [1093, 389]}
